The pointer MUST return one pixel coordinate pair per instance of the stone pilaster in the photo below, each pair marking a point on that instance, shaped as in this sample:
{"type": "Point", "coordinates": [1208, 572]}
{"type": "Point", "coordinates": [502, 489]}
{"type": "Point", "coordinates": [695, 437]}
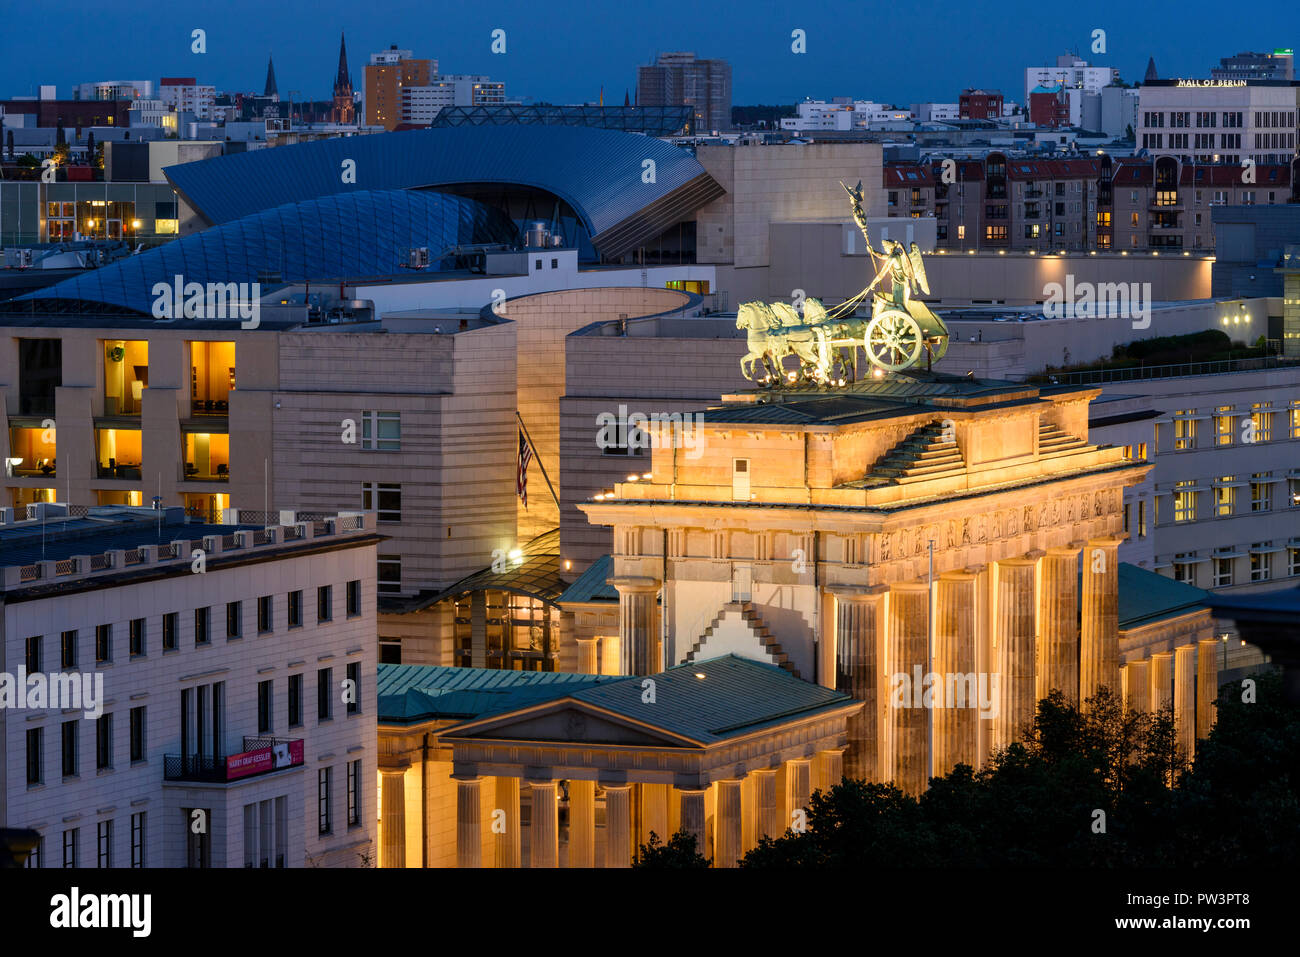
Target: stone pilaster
{"type": "Point", "coordinates": [1099, 638]}
{"type": "Point", "coordinates": [544, 841]}
{"type": "Point", "coordinates": [956, 723]}
{"type": "Point", "coordinates": [392, 817]}
{"type": "Point", "coordinates": [469, 822]}
{"type": "Point", "coordinates": [798, 782]}
{"type": "Point", "coordinates": [728, 824]}
{"type": "Point", "coordinates": [859, 672]}
{"type": "Point", "coordinates": [507, 842]}
{"type": "Point", "coordinates": [830, 769]}
{"type": "Point", "coordinates": [638, 608]}
{"type": "Point", "coordinates": [908, 657]}
{"type": "Point", "coordinates": [1058, 628]}
{"type": "Point", "coordinates": [1185, 698]}
{"type": "Point", "coordinates": [588, 662]}
{"type": "Point", "coordinates": [1207, 684]}
{"type": "Point", "coordinates": [693, 817]}
{"type": "Point", "coordinates": [1137, 686]}
{"type": "Point", "coordinates": [618, 825]}
{"type": "Point", "coordinates": [1162, 678]}
{"type": "Point", "coordinates": [1013, 635]}
{"type": "Point", "coordinates": [767, 811]}
{"type": "Point", "coordinates": [582, 824]}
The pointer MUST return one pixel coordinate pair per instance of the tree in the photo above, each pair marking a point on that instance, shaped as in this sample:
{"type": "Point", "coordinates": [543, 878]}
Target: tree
{"type": "Point", "coordinates": [1128, 132]}
{"type": "Point", "coordinates": [679, 853]}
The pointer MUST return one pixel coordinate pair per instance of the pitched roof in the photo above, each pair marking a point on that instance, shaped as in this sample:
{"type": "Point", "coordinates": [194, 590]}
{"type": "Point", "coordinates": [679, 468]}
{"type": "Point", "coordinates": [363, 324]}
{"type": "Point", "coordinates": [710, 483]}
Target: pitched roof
{"type": "Point", "coordinates": [1146, 597]}
{"type": "Point", "coordinates": [592, 585]}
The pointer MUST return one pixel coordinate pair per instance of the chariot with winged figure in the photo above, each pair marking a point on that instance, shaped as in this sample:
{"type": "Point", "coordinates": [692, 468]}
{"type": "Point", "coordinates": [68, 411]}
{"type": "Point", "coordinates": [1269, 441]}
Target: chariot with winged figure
{"type": "Point", "coordinates": [825, 341]}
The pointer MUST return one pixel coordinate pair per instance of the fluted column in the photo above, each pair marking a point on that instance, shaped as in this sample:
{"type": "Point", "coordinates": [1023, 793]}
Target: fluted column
{"type": "Point", "coordinates": [1207, 685]}
{"type": "Point", "coordinates": [1058, 625]}
{"type": "Point", "coordinates": [639, 626]}
{"type": "Point", "coordinates": [544, 839]}
{"type": "Point", "coordinates": [908, 657]}
{"type": "Point", "coordinates": [768, 814]}
{"type": "Point", "coordinates": [469, 822]}
{"type": "Point", "coordinates": [1099, 638]}
{"type": "Point", "coordinates": [618, 825]}
{"type": "Point", "coordinates": [728, 824]}
{"type": "Point", "coordinates": [654, 812]}
{"type": "Point", "coordinates": [798, 782]}
{"type": "Point", "coordinates": [582, 823]}
{"type": "Point", "coordinates": [830, 768]}
{"type": "Point", "coordinates": [392, 817]}
{"type": "Point", "coordinates": [507, 841]}
{"type": "Point", "coordinates": [1137, 686]}
{"type": "Point", "coordinates": [956, 723]}
{"type": "Point", "coordinates": [1013, 634]}
{"type": "Point", "coordinates": [692, 816]}
{"type": "Point", "coordinates": [859, 672]}
{"type": "Point", "coordinates": [1185, 698]}
{"type": "Point", "coordinates": [1162, 677]}
{"type": "Point", "coordinates": [587, 660]}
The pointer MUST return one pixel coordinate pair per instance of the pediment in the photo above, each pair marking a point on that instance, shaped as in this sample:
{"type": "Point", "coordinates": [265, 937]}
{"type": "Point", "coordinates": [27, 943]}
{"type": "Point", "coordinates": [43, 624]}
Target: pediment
{"type": "Point", "coordinates": [569, 722]}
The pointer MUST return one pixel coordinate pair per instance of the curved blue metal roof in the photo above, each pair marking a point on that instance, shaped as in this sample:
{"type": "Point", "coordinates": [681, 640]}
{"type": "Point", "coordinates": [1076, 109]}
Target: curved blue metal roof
{"type": "Point", "coordinates": [600, 173]}
{"type": "Point", "coordinates": [361, 234]}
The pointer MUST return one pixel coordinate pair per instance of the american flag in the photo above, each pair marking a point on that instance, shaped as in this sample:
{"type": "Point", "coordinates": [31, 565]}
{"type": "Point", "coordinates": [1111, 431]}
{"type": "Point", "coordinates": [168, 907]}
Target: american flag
{"type": "Point", "coordinates": [525, 456]}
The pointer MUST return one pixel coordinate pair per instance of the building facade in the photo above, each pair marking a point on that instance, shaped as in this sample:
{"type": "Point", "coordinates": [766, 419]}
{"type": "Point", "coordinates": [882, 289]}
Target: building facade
{"type": "Point", "coordinates": [1219, 121]}
{"type": "Point", "coordinates": [682, 79]}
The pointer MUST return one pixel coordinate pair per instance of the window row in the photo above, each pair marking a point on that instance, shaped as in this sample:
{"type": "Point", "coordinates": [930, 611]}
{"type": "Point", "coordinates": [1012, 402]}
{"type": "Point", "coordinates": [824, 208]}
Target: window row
{"type": "Point", "coordinates": [350, 697]}
{"type": "Point", "coordinates": [70, 745]}
{"type": "Point", "coordinates": [104, 845]}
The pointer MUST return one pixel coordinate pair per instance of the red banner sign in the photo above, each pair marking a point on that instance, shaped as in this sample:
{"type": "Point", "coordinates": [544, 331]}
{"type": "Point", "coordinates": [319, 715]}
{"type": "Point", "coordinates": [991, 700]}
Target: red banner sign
{"type": "Point", "coordinates": [286, 754]}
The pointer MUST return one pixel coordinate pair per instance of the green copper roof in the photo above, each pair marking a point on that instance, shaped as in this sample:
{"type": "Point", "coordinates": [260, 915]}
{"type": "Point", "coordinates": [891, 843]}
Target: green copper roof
{"type": "Point", "coordinates": [422, 692]}
{"type": "Point", "coordinates": [592, 585]}
{"type": "Point", "coordinates": [1146, 597]}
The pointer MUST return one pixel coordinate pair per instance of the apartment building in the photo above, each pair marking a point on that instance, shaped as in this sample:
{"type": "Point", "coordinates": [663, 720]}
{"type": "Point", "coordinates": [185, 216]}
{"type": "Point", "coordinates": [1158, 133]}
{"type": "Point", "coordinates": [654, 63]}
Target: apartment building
{"type": "Point", "coordinates": [227, 708]}
{"type": "Point", "coordinates": [1072, 73]}
{"type": "Point", "coordinates": [975, 104]}
{"type": "Point", "coordinates": [383, 80]}
{"type": "Point", "coordinates": [185, 94]}
{"type": "Point", "coordinates": [682, 79]}
{"type": "Point", "coordinates": [1219, 121]}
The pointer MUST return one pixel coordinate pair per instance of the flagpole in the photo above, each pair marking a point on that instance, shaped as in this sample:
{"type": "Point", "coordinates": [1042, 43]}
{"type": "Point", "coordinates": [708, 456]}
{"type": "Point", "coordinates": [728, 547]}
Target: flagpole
{"type": "Point", "coordinates": [538, 458]}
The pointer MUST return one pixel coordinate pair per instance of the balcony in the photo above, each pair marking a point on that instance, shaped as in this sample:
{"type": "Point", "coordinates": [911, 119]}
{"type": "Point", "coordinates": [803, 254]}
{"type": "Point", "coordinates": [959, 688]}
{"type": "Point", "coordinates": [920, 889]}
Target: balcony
{"type": "Point", "coordinates": [260, 755]}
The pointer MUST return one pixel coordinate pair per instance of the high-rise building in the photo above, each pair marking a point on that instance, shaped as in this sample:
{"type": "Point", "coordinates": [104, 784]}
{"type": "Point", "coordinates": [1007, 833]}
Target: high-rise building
{"type": "Point", "coordinates": [1278, 65]}
{"type": "Point", "coordinates": [386, 75]}
{"type": "Point", "coordinates": [680, 79]}
{"type": "Point", "coordinates": [345, 110]}
{"type": "Point", "coordinates": [1071, 73]}
{"type": "Point", "coordinates": [185, 95]}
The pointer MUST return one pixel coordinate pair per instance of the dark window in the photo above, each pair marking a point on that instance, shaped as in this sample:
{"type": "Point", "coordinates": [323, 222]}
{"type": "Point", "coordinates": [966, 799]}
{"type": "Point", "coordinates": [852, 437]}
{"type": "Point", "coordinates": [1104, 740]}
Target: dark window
{"type": "Point", "coordinates": [198, 848]}
{"type": "Point", "coordinates": [137, 733]}
{"type": "Point", "coordinates": [69, 646]}
{"type": "Point", "coordinates": [136, 636]}
{"type": "Point", "coordinates": [103, 643]}
{"type": "Point", "coordinates": [384, 499]}
{"type": "Point", "coordinates": [34, 742]}
{"type": "Point", "coordinates": [104, 843]}
{"type": "Point", "coordinates": [354, 687]}
{"type": "Point", "coordinates": [40, 372]}
{"type": "Point", "coordinates": [137, 839]}
{"type": "Point", "coordinates": [323, 800]}
{"type": "Point", "coordinates": [324, 681]}
{"type": "Point", "coordinates": [324, 603]}
{"type": "Point", "coordinates": [34, 648]}
{"type": "Point", "coordinates": [104, 742]}
{"type": "Point", "coordinates": [69, 748]}
{"type": "Point", "coordinates": [263, 707]}
{"type": "Point", "coordinates": [265, 621]}
{"type": "Point", "coordinates": [390, 573]}
{"type": "Point", "coordinates": [202, 617]}
{"type": "Point", "coordinates": [71, 838]}
{"type": "Point", "coordinates": [354, 599]}
{"type": "Point", "coordinates": [295, 609]}
{"type": "Point", "coordinates": [354, 793]}
{"type": "Point", "coordinates": [36, 858]}
{"type": "Point", "coordinates": [234, 620]}
{"type": "Point", "coordinates": [171, 625]}
{"type": "Point", "coordinates": [390, 651]}
{"type": "Point", "coordinates": [295, 701]}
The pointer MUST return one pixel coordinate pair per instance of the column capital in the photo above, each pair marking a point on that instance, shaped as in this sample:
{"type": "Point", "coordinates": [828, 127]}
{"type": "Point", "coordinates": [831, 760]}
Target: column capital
{"type": "Point", "coordinates": [394, 764]}
{"type": "Point", "coordinates": [615, 785]}
{"type": "Point", "coordinates": [634, 584]}
{"type": "Point", "coordinates": [1034, 554]}
{"type": "Point", "coordinates": [1065, 551]}
{"type": "Point", "coordinates": [856, 592]}
{"type": "Point", "coordinates": [1022, 561]}
{"type": "Point", "coordinates": [1106, 541]}
{"type": "Point", "coordinates": [958, 575]}
{"type": "Point", "coordinates": [913, 586]}
{"type": "Point", "coordinates": [467, 777]}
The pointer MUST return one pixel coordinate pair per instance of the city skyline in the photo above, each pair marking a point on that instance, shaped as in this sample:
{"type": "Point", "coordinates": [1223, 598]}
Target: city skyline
{"type": "Point", "coordinates": [603, 54]}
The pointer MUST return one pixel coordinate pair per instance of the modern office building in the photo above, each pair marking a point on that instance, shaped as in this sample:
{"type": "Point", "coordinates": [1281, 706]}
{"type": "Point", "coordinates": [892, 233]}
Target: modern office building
{"type": "Point", "coordinates": [114, 90]}
{"type": "Point", "coordinates": [186, 95]}
{"type": "Point", "coordinates": [385, 76]}
{"type": "Point", "coordinates": [224, 680]}
{"type": "Point", "coordinates": [1278, 65]}
{"type": "Point", "coordinates": [1219, 121]}
{"type": "Point", "coordinates": [1072, 73]}
{"type": "Point", "coordinates": [682, 79]}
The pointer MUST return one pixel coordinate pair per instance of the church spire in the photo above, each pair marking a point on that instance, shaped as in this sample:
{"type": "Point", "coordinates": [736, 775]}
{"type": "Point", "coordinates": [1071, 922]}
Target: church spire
{"type": "Point", "coordinates": [270, 79]}
{"type": "Point", "coordinates": [343, 82]}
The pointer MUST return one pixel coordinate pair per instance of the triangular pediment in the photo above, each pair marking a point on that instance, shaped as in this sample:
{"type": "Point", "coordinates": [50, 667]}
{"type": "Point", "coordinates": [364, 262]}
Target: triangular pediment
{"type": "Point", "coordinates": [568, 722]}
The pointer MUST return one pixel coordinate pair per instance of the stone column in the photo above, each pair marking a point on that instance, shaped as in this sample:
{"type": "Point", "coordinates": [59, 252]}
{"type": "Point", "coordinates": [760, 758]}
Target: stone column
{"type": "Point", "coordinates": [798, 782]}
{"type": "Point", "coordinates": [692, 805]}
{"type": "Point", "coordinates": [544, 839]}
{"type": "Point", "coordinates": [582, 824]}
{"type": "Point", "coordinates": [588, 664]}
{"type": "Point", "coordinates": [392, 817]}
{"type": "Point", "coordinates": [909, 656]}
{"type": "Point", "coordinates": [1162, 677]}
{"type": "Point", "coordinates": [830, 768]}
{"type": "Point", "coordinates": [1013, 635]}
{"type": "Point", "coordinates": [768, 813]}
{"type": "Point", "coordinates": [639, 625]}
{"type": "Point", "coordinates": [654, 812]}
{"type": "Point", "coordinates": [507, 842]}
{"type": "Point", "coordinates": [1099, 639]}
{"type": "Point", "coordinates": [858, 672]}
{"type": "Point", "coordinates": [1185, 698]}
{"type": "Point", "coordinates": [1058, 627]}
{"type": "Point", "coordinates": [618, 825]}
{"type": "Point", "coordinates": [956, 723]}
{"type": "Point", "coordinates": [1207, 685]}
{"type": "Point", "coordinates": [469, 822]}
{"type": "Point", "coordinates": [728, 825]}
{"type": "Point", "coordinates": [1137, 678]}
{"type": "Point", "coordinates": [827, 640]}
